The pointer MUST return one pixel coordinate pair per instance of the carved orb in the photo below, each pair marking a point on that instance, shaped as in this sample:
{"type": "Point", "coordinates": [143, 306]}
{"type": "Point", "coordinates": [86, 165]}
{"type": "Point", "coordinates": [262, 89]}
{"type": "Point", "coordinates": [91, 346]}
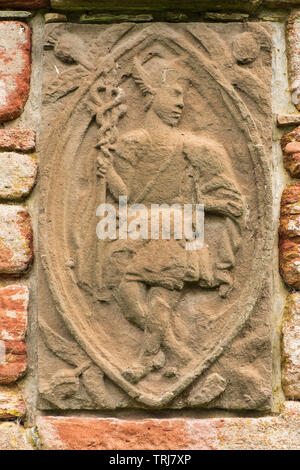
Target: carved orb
{"type": "Point", "coordinates": [245, 48]}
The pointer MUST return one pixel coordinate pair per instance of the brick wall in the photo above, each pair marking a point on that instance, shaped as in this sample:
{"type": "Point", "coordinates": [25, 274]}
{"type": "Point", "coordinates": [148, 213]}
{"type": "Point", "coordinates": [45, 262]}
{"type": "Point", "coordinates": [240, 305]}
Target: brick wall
{"type": "Point", "coordinates": [22, 426]}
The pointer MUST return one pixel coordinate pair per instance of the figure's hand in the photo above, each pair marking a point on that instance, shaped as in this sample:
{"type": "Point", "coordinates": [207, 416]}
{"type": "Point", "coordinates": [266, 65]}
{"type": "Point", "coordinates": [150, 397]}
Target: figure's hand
{"type": "Point", "coordinates": [234, 208]}
{"type": "Point", "coordinates": [103, 165]}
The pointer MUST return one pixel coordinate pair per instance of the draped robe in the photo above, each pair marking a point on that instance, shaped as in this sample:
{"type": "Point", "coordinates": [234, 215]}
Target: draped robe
{"type": "Point", "coordinates": [188, 170]}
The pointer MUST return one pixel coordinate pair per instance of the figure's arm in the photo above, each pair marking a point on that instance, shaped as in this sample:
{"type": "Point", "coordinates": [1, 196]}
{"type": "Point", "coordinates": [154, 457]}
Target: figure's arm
{"type": "Point", "coordinates": [230, 208]}
{"type": "Point", "coordinates": [215, 185]}
{"type": "Point", "coordinates": [117, 187]}
{"type": "Point", "coordinates": [118, 166]}
{"type": "Point", "coordinates": [119, 169]}
{"type": "Point", "coordinates": [222, 197]}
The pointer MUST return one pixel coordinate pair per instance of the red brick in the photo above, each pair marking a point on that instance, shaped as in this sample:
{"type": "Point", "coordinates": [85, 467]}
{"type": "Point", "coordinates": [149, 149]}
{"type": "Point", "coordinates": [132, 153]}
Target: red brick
{"type": "Point", "coordinates": [290, 213]}
{"type": "Point", "coordinates": [289, 262]}
{"type": "Point", "coordinates": [13, 323]}
{"type": "Point", "coordinates": [16, 239]}
{"type": "Point", "coordinates": [25, 4]}
{"type": "Point", "coordinates": [290, 144]}
{"type": "Point", "coordinates": [289, 233]}
{"type": "Point", "coordinates": [17, 139]}
{"type": "Point", "coordinates": [15, 44]}
{"type": "Point", "coordinates": [79, 433]}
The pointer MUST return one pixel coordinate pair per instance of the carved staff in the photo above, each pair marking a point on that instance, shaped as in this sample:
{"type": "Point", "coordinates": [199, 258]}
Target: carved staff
{"type": "Point", "coordinates": [107, 118]}
{"type": "Point", "coordinates": [109, 109]}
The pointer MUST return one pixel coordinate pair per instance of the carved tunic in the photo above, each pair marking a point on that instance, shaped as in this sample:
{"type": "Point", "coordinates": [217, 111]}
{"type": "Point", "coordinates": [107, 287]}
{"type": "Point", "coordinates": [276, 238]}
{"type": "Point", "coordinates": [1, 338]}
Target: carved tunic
{"type": "Point", "coordinates": [187, 170]}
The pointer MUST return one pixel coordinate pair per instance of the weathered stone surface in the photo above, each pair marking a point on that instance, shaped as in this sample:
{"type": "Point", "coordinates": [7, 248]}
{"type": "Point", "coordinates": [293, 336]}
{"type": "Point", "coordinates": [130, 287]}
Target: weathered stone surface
{"type": "Point", "coordinates": [288, 120]}
{"type": "Point", "coordinates": [156, 5]}
{"type": "Point", "coordinates": [18, 175]}
{"type": "Point", "coordinates": [270, 433]}
{"type": "Point", "coordinates": [55, 18]}
{"type": "Point", "coordinates": [214, 16]}
{"type": "Point", "coordinates": [289, 231]}
{"type": "Point", "coordinates": [14, 437]}
{"type": "Point", "coordinates": [108, 18]}
{"type": "Point", "coordinates": [15, 15]}
{"type": "Point", "coordinates": [31, 4]}
{"type": "Point", "coordinates": [158, 317]}
{"type": "Point", "coordinates": [291, 347]}
{"type": "Point", "coordinates": [12, 405]}
{"type": "Point", "coordinates": [290, 145]}
{"type": "Point", "coordinates": [17, 139]}
{"type": "Point", "coordinates": [176, 16]}
{"type": "Point", "coordinates": [275, 15]}
{"type": "Point", "coordinates": [16, 240]}
{"type": "Point", "coordinates": [15, 44]}
{"type": "Point", "coordinates": [13, 323]}
{"type": "Point", "coordinates": [245, 48]}
{"type": "Point", "coordinates": [293, 51]}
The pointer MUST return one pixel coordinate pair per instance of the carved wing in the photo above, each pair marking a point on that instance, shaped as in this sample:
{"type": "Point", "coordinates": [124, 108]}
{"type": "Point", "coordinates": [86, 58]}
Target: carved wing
{"type": "Point", "coordinates": [65, 83]}
{"type": "Point", "coordinates": [142, 78]}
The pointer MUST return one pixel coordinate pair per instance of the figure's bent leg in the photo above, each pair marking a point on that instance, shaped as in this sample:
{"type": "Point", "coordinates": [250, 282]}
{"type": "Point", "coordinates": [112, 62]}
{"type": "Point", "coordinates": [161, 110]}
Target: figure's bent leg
{"type": "Point", "coordinates": [131, 297]}
{"type": "Point", "coordinates": [177, 351]}
{"type": "Point", "coordinates": [157, 321]}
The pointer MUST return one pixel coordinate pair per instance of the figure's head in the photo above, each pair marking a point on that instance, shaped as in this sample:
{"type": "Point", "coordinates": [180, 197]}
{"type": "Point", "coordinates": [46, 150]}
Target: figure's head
{"type": "Point", "coordinates": [168, 103]}
{"type": "Point", "coordinates": [164, 93]}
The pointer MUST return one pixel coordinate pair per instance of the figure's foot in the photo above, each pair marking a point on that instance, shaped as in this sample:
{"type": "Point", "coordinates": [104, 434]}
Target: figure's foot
{"type": "Point", "coordinates": [158, 361]}
{"type": "Point", "coordinates": [177, 349]}
{"type": "Point", "coordinates": [135, 374]}
{"type": "Point", "coordinates": [225, 280]}
{"type": "Point", "coordinates": [225, 290]}
{"type": "Point", "coordinates": [171, 372]}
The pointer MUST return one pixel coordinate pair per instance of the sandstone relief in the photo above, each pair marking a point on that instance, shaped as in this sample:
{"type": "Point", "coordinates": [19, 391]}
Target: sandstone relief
{"type": "Point", "coordinates": [168, 115]}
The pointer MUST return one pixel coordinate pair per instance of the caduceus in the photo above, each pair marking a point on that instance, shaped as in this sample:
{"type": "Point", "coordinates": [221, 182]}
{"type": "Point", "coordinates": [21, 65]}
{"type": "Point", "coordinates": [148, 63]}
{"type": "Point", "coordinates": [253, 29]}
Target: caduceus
{"type": "Point", "coordinates": [109, 108]}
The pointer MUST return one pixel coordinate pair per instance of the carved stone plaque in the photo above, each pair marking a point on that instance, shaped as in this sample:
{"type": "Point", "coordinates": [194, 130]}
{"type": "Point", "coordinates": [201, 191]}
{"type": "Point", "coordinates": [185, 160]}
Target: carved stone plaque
{"type": "Point", "coordinates": [155, 115]}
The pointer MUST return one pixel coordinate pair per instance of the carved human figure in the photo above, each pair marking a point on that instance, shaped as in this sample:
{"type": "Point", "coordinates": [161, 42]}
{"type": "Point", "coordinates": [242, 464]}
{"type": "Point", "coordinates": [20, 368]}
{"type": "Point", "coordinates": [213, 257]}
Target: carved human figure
{"type": "Point", "coordinates": [159, 164]}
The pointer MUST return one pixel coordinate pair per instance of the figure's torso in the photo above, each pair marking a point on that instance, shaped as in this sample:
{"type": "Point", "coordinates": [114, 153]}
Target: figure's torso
{"type": "Point", "coordinates": [159, 169]}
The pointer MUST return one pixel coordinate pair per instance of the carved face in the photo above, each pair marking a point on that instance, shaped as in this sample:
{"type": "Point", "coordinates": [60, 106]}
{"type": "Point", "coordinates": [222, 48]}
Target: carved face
{"type": "Point", "coordinates": [168, 104]}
